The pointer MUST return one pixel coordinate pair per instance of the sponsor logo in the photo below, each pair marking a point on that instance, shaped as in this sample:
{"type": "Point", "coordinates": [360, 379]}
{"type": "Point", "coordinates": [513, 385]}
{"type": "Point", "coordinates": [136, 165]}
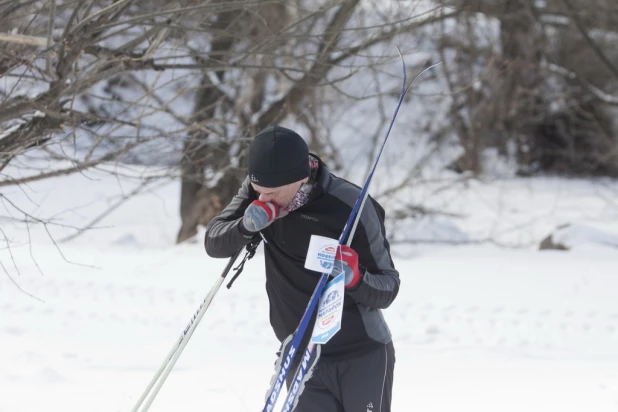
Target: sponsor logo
{"type": "Point", "coordinates": [326, 256]}
{"type": "Point", "coordinates": [328, 310]}
{"type": "Point", "coordinates": [327, 321]}
{"type": "Point", "coordinates": [331, 297]}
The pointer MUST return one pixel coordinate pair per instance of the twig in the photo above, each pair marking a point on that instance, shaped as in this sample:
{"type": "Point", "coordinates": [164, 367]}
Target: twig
{"type": "Point", "coordinates": [30, 248]}
{"type": "Point", "coordinates": [45, 226]}
{"type": "Point", "coordinates": [595, 48]}
{"type": "Point", "coordinates": [115, 206]}
{"type": "Point", "coordinates": [101, 12]}
{"type": "Point", "coordinates": [63, 172]}
{"type": "Point", "coordinates": [596, 92]}
{"type": "Point", "coordinates": [17, 285]}
{"type": "Point", "coordinates": [16, 268]}
{"type": "Point", "coordinates": [23, 39]}
{"type": "Point", "coordinates": [50, 32]}
{"type": "Point", "coordinates": [8, 245]}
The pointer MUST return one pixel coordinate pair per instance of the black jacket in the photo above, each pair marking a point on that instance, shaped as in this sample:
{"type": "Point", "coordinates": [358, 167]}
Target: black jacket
{"type": "Point", "coordinates": [289, 285]}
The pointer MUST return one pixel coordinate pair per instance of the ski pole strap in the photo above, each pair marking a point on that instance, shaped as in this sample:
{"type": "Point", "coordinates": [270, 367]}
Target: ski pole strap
{"type": "Point", "coordinates": [251, 248]}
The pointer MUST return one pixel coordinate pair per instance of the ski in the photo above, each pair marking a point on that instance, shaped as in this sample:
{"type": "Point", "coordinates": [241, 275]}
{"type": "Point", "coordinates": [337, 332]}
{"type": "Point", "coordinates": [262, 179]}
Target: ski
{"type": "Point", "coordinates": [309, 358]}
{"type": "Point", "coordinates": [289, 349]}
{"type": "Point", "coordinates": [286, 357]}
{"type": "Point", "coordinates": [303, 372]}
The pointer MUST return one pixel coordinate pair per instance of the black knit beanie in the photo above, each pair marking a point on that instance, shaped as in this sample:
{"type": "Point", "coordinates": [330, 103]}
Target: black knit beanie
{"type": "Point", "coordinates": [277, 157]}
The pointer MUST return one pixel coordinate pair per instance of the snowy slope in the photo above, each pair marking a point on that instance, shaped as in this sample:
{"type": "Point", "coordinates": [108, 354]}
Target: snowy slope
{"type": "Point", "coordinates": [476, 328]}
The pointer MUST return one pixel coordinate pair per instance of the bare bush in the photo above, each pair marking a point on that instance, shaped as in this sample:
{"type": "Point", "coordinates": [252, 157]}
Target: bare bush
{"type": "Point", "coordinates": [538, 87]}
{"type": "Point", "coordinates": [182, 84]}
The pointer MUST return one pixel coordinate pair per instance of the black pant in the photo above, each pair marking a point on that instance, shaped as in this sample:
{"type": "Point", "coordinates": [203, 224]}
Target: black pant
{"type": "Point", "coordinates": [360, 384]}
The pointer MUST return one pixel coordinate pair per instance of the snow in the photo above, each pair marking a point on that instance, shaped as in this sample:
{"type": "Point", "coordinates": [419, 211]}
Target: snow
{"type": "Point", "coordinates": [581, 235]}
{"type": "Point", "coordinates": [476, 327]}
{"type": "Point", "coordinates": [85, 321]}
{"type": "Point", "coordinates": [9, 131]}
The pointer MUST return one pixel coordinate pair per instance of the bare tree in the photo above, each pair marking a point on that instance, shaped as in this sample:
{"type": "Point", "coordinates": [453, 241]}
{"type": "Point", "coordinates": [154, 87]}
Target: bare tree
{"type": "Point", "coordinates": [185, 84]}
{"type": "Point", "coordinates": [540, 83]}
{"type": "Point", "coordinates": [181, 84]}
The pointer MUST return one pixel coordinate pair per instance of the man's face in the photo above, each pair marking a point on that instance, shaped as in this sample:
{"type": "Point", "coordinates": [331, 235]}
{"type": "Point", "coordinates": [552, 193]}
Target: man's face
{"type": "Point", "coordinates": [281, 195]}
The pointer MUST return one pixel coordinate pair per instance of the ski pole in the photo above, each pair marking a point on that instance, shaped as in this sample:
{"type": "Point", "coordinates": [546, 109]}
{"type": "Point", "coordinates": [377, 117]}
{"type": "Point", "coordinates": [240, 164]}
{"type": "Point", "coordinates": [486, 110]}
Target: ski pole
{"type": "Point", "coordinates": [301, 376]}
{"type": "Point", "coordinates": [173, 355]}
{"type": "Point", "coordinates": [285, 361]}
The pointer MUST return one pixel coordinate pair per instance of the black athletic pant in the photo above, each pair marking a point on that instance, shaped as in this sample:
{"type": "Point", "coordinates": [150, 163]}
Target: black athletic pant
{"type": "Point", "coordinates": [361, 384]}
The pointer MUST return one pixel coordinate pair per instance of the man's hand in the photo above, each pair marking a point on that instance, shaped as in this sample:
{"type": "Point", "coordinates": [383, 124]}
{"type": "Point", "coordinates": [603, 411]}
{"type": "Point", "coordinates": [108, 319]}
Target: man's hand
{"type": "Point", "coordinates": [346, 260]}
{"type": "Point", "coordinates": [261, 214]}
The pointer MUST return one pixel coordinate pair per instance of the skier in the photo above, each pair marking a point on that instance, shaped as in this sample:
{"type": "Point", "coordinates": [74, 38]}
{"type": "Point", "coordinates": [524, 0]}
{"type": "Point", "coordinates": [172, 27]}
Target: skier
{"type": "Point", "coordinates": [289, 195]}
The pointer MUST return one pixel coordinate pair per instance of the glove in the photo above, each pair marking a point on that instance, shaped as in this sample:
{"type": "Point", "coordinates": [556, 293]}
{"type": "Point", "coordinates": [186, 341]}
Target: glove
{"type": "Point", "coordinates": [346, 260]}
{"type": "Point", "coordinates": [261, 214]}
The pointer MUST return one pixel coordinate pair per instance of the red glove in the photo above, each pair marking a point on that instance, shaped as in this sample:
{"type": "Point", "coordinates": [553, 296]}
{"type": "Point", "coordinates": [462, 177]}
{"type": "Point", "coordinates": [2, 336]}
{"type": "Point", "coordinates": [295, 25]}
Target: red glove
{"type": "Point", "coordinates": [261, 214]}
{"type": "Point", "coordinates": [346, 260]}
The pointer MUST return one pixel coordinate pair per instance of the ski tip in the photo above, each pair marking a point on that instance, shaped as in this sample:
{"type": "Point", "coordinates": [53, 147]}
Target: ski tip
{"type": "Point", "coordinates": [399, 51]}
{"type": "Point", "coordinates": [421, 72]}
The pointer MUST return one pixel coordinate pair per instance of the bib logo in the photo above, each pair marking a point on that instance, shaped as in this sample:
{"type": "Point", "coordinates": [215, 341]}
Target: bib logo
{"type": "Point", "coordinates": [327, 321]}
{"type": "Point", "coordinates": [328, 310]}
{"type": "Point", "coordinates": [326, 256]}
{"type": "Point", "coordinates": [331, 297]}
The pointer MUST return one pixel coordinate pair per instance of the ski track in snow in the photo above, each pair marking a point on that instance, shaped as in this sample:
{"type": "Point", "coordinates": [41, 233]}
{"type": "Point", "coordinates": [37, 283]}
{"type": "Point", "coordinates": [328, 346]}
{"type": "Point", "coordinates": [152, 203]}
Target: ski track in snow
{"type": "Point", "coordinates": [430, 322]}
{"type": "Point", "coordinates": [85, 302]}
{"type": "Point", "coordinates": [100, 334]}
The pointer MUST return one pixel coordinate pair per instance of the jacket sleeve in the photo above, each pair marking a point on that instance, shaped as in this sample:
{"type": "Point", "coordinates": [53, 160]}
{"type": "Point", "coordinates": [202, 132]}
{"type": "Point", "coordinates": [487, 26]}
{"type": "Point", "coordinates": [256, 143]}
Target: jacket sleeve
{"type": "Point", "coordinates": [379, 283]}
{"type": "Point", "coordinates": [224, 235]}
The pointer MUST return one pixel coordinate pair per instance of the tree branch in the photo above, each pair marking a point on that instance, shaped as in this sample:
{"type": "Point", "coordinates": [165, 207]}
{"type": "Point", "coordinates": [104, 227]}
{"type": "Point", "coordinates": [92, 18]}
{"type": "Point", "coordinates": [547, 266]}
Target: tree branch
{"type": "Point", "coordinates": [388, 35]}
{"type": "Point", "coordinates": [79, 167]}
{"type": "Point", "coordinates": [595, 48]}
{"type": "Point", "coordinates": [23, 39]}
{"type": "Point", "coordinates": [595, 91]}
{"type": "Point", "coordinates": [317, 72]}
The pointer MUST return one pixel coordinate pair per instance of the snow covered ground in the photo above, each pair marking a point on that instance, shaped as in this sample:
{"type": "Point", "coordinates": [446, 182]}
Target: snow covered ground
{"type": "Point", "coordinates": [476, 327]}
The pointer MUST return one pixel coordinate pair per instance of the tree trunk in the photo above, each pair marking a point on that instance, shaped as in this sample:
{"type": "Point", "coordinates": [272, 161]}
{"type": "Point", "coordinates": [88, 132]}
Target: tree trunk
{"type": "Point", "coordinates": [199, 203]}
{"type": "Point", "coordinates": [198, 152]}
{"type": "Point", "coordinates": [519, 102]}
